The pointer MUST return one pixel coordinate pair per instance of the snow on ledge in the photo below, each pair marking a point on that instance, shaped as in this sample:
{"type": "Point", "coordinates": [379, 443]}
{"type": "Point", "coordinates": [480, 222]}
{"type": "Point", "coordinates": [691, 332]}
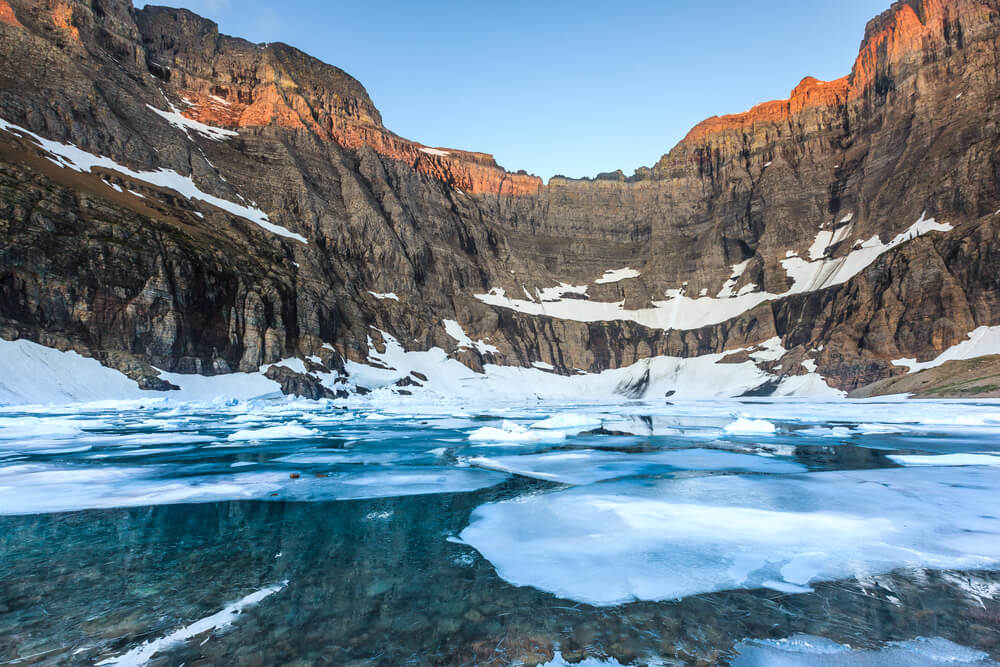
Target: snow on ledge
{"type": "Point", "coordinates": [454, 329]}
{"type": "Point", "coordinates": [680, 312]}
{"type": "Point", "coordinates": [175, 118]}
{"type": "Point", "coordinates": [434, 151]}
{"type": "Point", "coordinates": [982, 342]}
{"type": "Point", "coordinates": [617, 275]}
{"type": "Point", "coordinates": [71, 157]}
{"type": "Point", "coordinates": [381, 296]}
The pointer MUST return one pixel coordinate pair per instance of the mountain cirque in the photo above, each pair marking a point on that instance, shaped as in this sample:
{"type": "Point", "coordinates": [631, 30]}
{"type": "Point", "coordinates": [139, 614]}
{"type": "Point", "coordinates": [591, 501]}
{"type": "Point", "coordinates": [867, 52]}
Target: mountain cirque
{"type": "Point", "coordinates": [243, 204]}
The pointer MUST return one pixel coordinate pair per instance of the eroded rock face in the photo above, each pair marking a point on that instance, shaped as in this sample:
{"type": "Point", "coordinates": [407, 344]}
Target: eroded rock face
{"type": "Point", "coordinates": [139, 275]}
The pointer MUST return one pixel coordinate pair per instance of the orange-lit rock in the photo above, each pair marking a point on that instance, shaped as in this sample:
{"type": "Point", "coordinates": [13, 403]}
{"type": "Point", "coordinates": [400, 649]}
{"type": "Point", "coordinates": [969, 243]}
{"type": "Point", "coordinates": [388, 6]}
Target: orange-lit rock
{"type": "Point", "coordinates": [909, 32]}
{"type": "Point", "coordinates": [474, 173]}
{"type": "Point", "coordinates": [62, 17]}
{"type": "Point", "coordinates": [7, 14]}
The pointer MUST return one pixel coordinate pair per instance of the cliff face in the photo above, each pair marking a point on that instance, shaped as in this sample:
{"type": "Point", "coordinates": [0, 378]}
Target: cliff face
{"type": "Point", "coordinates": [749, 216]}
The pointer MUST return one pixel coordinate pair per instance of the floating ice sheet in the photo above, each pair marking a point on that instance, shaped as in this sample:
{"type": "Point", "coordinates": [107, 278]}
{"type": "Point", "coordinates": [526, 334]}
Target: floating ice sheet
{"type": "Point", "coordinates": [587, 466]}
{"type": "Point", "coordinates": [612, 543]}
{"type": "Point", "coordinates": [36, 488]}
{"type": "Point", "coordinates": [809, 651]}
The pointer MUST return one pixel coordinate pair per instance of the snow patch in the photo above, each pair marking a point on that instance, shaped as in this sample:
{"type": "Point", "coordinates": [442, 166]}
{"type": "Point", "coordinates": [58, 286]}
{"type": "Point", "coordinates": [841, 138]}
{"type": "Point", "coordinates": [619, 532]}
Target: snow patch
{"type": "Point", "coordinates": [454, 329]}
{"type": "Point", "coordinates": [617, 275]}
{"type": "Point", "coordinates": [434, 151]}
{"type": "Point", "coordinates": [71, 157]}
{"type": "Point", "coordinates": [384, 295]}
{"type": "Point", "coordinates": [982, 342]}
{"type": "Point", "coordinates": [679, 312]}
{"type": "Point", "coordinates": [187, 125]}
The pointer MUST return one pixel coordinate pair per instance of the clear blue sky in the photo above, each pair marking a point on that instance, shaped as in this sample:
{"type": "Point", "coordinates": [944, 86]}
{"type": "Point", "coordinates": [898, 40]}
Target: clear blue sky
{"type": "Point", "coordinates": [560, 87]}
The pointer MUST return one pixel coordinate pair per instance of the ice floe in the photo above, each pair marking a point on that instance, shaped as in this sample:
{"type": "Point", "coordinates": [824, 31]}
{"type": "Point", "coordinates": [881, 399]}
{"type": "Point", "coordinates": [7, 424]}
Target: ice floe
{"type": "Point", "coordinates": [273, 433]}
{"type": "Point", "coordinates": [946, 459]}
{"type": "Point", "coordinates": [585, 466]}
{"type": "Point", "coordinates": [622, 541]}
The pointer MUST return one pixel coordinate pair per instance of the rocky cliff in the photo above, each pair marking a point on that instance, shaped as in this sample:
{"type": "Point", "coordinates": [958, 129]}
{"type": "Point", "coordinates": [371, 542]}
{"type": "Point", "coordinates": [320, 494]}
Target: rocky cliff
{"type": "Point", "coordinates": [176, 199]}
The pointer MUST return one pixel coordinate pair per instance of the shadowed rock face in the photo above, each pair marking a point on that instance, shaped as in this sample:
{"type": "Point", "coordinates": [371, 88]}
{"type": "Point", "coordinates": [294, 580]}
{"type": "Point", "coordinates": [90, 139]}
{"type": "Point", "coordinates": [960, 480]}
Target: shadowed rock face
{"type": "Point", "coordinates": [138, 275]}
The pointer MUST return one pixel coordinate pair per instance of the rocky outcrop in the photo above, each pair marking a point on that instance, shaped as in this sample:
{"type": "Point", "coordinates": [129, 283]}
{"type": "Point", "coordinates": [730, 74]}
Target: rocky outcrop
{"type": "Point", "coordinates": [142, 276]}
{"type": "Point", "coordinates": [971, 378]}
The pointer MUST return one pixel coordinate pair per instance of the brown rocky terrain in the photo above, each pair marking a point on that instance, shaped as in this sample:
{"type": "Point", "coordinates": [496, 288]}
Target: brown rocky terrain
{"type": "Point", "coordinates": [139, 276]}
{"type": "Point", "coordinates": [970, 378]}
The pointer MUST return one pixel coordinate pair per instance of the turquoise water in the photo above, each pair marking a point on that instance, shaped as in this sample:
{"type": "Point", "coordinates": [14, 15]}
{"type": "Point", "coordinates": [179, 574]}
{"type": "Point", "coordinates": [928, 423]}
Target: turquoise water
{"type": "Point", "coordinates": [390, 535]}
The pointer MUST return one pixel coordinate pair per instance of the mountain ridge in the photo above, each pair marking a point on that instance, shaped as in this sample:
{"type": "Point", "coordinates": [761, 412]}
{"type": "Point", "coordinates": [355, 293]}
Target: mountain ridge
{"type": "Point", "coordinates": [755, 230]}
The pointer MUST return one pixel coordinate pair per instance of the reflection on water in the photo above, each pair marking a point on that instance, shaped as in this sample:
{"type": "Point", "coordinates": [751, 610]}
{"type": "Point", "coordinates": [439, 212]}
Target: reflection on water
{"type": "Point", "coordinates": [377, 581]}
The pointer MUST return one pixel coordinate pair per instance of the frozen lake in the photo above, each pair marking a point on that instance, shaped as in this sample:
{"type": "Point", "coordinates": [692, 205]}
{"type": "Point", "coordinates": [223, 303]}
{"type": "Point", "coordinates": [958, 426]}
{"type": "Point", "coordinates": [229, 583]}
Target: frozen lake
{"type": "Point", "coordinates": [745, 532]}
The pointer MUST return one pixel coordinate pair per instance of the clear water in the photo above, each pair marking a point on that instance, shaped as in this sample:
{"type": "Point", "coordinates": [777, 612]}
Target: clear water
{"type": "Point", "coordinates": [384, 534]}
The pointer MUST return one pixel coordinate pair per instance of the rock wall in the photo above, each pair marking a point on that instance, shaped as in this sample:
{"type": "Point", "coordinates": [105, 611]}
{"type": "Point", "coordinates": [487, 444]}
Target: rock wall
{"type": "Point", "coordinates": [137, 275]}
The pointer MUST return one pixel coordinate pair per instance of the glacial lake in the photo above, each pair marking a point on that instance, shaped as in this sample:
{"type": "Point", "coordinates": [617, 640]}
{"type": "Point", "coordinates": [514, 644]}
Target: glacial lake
{"type": "Point", "coordinates": [742, 532]}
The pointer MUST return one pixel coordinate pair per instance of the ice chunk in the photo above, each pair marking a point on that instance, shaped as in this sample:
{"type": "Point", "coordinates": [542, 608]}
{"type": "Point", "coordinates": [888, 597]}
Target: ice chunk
{"type": "Point", "coordinates": [514, 432]}
{"type": "Point", "coordinates": [947, 460]}
{"type": "Point", "coordinates": [569, 422]}
{"type": "Point", "coordinates": [744, 426]}
{"type": "Point", "coordinates": [559, 661]}
{"type": "Point", "coordinates": [143, 653]}
{"type": "Point", "coordinates": [273, 433]}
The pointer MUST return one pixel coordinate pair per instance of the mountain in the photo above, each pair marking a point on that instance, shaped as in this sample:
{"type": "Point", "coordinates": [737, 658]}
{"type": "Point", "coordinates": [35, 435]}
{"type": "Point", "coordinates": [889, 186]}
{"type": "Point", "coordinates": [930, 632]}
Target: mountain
{"type": "Point", "coordinates": [175, 201]}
